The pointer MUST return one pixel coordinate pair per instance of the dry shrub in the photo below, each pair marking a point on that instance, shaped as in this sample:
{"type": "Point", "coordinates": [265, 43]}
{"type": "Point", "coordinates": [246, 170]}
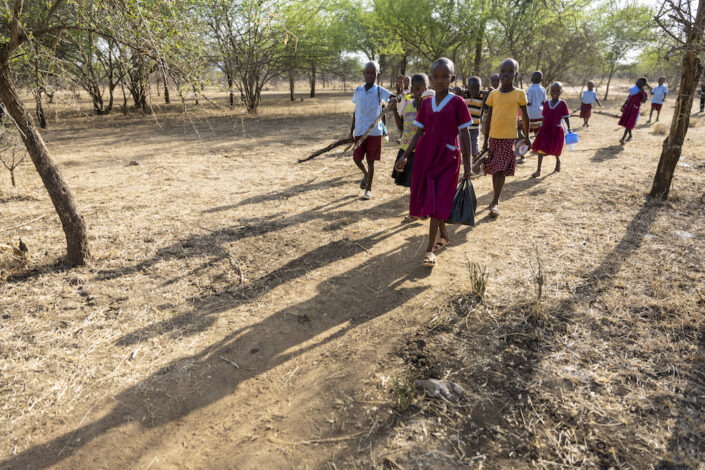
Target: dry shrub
{"type": "Point", "coordinates": [478, 280]}
{"type": "Point", "coordinates": [695, 123]}
{"type": "Point", "coordinates": [538, 311]}
{"type": "Point", "coordinates": [404, 390]}
{"type": "Point", "coordinates": [660, 129]}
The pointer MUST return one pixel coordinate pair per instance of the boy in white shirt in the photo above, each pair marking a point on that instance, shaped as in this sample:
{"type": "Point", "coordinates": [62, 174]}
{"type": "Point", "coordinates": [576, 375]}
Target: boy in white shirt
{"type": "Point", "coordinates": [535, 98]}
{"type": "Point", "coordinates": [658, 96]}
{"type": "Point", "coordinates": [368, 99]}
{"type": "Point", "coordinates": [587, 98]}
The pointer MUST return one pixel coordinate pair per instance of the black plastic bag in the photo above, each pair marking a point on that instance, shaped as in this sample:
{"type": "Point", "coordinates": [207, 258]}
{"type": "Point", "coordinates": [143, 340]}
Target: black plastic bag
{"type": "Point", "coordinates": [464, 204]}
{"type": "Point", "coordinates": [403, 178]}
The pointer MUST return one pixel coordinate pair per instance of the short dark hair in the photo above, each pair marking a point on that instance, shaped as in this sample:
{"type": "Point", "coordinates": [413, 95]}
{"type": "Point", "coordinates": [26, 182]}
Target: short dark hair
{"type": "Point", "coordinates": [445, 62]}
{"type": "Point", "coordinates": [475, 80]}
{"type": "Point", "coordinates": [420, 78]}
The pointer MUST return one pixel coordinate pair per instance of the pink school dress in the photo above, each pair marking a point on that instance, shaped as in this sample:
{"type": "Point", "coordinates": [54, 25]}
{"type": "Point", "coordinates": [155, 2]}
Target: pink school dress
{"type": "Point", "coordinates": [551, 137]}
{"type": "Point", "coordinates": [437, 156]}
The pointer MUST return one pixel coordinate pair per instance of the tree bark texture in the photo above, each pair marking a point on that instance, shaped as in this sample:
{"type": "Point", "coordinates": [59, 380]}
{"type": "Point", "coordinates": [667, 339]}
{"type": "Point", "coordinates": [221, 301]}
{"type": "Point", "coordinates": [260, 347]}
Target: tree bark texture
{"type": "Point", "coordinates": [692, 70]}
{"type": "Point", "coordinates": [312, 81]}
{"type": "Point", "coordinates": [74, 226]}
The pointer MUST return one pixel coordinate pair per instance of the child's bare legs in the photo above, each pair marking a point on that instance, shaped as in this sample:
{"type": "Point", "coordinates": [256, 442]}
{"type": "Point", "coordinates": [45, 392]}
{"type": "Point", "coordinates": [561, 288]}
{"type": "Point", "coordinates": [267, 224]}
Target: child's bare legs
{"type": "Point", "coordinates": [497, 185]}
{"type": "Point", "coordinates": [362, 168]}
{"type": "Point", "coordinates": [626, 132]}
{"type": "Point", "coordinates": [557, 169]}
{"type": "Point", "coordinates": [370, 174]}
{"type": "Point", "coordinates": [434, 226]}
{"type": "Point", "coordinates": [651, 114]}
{"type": "Point", "coordinates": [537, 173]}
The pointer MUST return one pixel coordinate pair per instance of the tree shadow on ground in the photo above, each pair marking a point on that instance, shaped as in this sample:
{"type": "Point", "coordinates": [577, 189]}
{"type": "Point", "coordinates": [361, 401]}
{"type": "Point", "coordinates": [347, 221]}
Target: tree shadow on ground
{"type": "Point", "coordinates": [306, 187]}
{"type": "Point", "coordinates": [190, 383]}
{"type": "Point", "coordinates": [514, 356]}
{"type": "Point", "coordinates": [607, 153]}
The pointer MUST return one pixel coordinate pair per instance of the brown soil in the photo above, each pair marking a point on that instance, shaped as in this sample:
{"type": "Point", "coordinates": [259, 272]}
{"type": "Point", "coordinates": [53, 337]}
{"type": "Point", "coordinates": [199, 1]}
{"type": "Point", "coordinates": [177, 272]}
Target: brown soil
{"type": "Point", "coordinates": [245, 311]}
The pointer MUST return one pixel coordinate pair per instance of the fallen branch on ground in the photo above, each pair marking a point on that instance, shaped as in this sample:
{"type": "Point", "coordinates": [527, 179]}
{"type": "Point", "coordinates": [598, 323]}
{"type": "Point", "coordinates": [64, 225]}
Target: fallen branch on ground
{"type": "Point", "coordinates": [337, 143]}
{"type": "Point", "coordinates": [22, 224]}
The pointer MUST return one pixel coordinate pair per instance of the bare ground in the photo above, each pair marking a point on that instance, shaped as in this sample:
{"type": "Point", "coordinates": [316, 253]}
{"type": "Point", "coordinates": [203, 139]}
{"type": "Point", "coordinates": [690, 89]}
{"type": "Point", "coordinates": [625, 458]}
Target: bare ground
{"type": "Point", "coordinates": [246, 311]}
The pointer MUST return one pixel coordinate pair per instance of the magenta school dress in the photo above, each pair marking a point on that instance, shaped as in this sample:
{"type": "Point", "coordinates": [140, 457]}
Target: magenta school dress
{"type": "Point", "coordinates": [550, 138]}
{"type": "Point", "coordinates": [437, 156]}
{"type": "Point", "coordinates": [630, 115]}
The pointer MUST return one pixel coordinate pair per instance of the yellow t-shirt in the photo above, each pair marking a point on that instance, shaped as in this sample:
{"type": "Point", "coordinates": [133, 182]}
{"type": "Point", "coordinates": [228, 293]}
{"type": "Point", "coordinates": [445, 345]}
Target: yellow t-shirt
{"type": "Point", "coordinates": [505, 107]}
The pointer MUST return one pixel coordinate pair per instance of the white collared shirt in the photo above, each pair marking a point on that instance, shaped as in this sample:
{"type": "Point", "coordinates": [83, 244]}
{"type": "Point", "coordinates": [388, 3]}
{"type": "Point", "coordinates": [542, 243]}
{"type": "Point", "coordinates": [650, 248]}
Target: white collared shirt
{"type": "Point", "coordinates": [368, 105]}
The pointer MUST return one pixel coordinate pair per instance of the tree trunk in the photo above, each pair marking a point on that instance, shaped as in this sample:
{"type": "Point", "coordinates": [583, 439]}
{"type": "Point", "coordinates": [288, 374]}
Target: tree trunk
{"type": "Point", "coordinates": [230, 91]}
{"type": "Point", "coordinates": [39, 111]}
{"type": "Point", "coordinates": [73, 224]}
{"type": "Point", "coordinates": [479, 37]}
{"type": "Point", "coordinates": [291, 86]}
{"type": "Point", "coordinates": [312, 81]}
{"type": "Point", "coordinates": [609, 80]}
{"type": "Point", "coordinates": [403, 64]}
{"type": "Point", "coordinates": [167, 99]}
{"type": "Point", "coordinates": [672, 145]}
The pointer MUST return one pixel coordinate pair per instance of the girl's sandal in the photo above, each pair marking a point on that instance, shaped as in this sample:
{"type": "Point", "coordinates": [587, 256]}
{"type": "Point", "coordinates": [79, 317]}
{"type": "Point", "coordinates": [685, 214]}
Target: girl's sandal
{"type": "Point", "coordinates": [430, 260]}
{"type": "Point", "coordinates": [408, 219]}
{"type": "Point", "coordinates": [440, 244]}
{"type": "Point", "coordinates": [494, 211]}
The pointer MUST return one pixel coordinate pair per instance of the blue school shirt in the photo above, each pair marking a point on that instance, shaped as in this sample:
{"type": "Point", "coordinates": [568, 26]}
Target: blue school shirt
{"type": "Point", "coordinates": [659, 94]}
{"type": "Point", "coordinates": [536, 96]}
{"type": "Point", "coordinates": [588, 97]}
{"type": "Point", "coordinates": [368, 105]}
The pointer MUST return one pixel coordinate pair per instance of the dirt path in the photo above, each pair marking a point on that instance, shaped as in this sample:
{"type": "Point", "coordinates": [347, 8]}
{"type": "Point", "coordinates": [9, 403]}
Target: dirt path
{"type": "Point", "coordinates": [243, 310]}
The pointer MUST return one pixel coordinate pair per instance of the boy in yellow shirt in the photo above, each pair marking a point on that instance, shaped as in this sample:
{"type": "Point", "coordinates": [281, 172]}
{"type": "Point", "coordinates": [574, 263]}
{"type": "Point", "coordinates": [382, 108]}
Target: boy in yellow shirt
{"type": "Point", "coordinates": [503, 106]}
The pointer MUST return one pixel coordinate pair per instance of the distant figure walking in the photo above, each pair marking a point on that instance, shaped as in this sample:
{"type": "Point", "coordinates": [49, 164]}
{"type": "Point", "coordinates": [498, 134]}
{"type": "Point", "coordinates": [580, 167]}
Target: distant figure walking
{"type": "Point", "coordinates": [631, 108]}
{"type": "Point", "coordinates": [551, 138]}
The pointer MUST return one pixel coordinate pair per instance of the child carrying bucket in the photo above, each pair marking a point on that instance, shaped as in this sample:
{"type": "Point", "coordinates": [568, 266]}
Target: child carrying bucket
{"type": "Point", "coordinates": [438, 155]}
{"type": "Point", "coordinates": [550, 138]}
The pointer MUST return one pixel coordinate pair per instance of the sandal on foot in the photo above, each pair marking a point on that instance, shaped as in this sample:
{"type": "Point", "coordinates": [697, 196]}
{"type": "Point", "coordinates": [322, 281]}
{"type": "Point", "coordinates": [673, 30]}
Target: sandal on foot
{"type": "Point", "coordinates": [494, 211]}
{"type": "Point", "coordinates": [363, 182]}
{"type": "Point", "coordinates": [409, 218]}
{"type": "Point", "coordinates": [430, 260]}
{"type": "Point", "coordinates": [440, 244]}
{"type": "Point", "coordinates": [536, 174]}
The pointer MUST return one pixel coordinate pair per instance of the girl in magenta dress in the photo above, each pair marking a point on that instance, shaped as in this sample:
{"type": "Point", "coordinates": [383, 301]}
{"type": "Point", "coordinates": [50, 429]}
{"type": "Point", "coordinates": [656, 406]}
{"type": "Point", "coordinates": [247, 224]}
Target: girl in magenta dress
{"type": "Point", "coordinates": [437, 155]}
{"type": "Point", "coordinates": [631, 108]}
{"type": "Point", "coordinates": [550, 139]}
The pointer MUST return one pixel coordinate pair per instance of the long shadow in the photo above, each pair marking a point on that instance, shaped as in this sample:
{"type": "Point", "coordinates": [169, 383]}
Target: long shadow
{"type": "Point", "coordinates": [512, 188]}
{"type": "Point", "coordinates": [306, 187]}
{"type": "Point", "coordinates": [193, 382]}
{"type": "Point", "coordinates": [214, 242]}
{"type": "Point", "coordinates": [518, 346]}
{"type": "Point", "coordinates": [203, 313]}
{"type": "Point", "coordinates": [607, 153]}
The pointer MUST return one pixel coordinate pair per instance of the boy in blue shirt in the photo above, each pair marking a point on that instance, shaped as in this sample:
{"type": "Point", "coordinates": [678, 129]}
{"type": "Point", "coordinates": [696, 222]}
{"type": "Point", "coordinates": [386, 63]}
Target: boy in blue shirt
{"type": "Point", "coordinates": [658, 96]}
{"type": "Point", "coordinates": [368, 99]}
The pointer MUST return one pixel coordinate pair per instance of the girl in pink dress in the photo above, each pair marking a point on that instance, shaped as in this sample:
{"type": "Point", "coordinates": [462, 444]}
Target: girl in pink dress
{"type": "Point", "coordinates": [550, 139]}
{"type": "Point", "coordinates": [631, 108]}
{"type": "Point", "coordinates": [437, 155]}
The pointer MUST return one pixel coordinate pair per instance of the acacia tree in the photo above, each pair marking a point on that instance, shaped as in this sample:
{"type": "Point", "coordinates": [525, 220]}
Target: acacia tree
{"type": "Point", "coordinates": [18, 24]}
{"type": "Point", "coordinates": [254, 32]}
{"type": "Point", "coordinates": [626, 27]}
{"type": "Point", "coordinates": [685, 28]}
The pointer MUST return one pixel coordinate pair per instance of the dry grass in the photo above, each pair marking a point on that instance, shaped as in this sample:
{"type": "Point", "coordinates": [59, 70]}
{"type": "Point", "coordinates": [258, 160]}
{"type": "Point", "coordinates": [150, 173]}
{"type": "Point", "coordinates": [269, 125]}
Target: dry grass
{"type": "Point", "coordinates": [659, 129]}
{"type": "Point", "coordinates": [238, 301]}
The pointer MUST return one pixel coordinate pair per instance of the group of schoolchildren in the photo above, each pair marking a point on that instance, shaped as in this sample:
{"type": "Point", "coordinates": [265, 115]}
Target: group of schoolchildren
{"type": "Point", "coordinates": [441, 128]}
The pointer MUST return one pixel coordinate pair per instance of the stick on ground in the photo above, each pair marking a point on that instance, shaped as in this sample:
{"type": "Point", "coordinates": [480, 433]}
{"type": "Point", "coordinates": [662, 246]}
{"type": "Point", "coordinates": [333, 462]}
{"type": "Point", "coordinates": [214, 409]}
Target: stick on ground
{"type": "Point", "coordinates": [337, 143]}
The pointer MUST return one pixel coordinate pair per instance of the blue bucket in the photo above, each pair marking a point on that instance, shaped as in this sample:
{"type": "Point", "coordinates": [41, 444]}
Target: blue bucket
{"type": "Point", "coordinates": [570, 139]}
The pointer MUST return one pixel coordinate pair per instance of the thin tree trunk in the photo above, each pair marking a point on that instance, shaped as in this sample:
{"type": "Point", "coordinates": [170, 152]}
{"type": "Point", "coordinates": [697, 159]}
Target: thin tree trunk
{"type": "Point", "coordinates": [479, 38]}
{"type": "Point", "coordinates": [291, 86]}
{"type": "Point", "coordinates": [73, 223]}
{"type": "Point", "coordinates": [672, 145]}
{"type": "Point", "coordinates": [312, 81]}
{"type": "Point", "coordinates": [230, 91]}
{"type": "Point", "coordinates": [609, 80]}
{"type": "Point", "coordinates": [403, 64]}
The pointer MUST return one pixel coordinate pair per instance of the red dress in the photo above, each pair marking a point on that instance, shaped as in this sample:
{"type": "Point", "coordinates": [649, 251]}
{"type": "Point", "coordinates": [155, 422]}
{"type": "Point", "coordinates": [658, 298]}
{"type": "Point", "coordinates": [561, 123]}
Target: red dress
{"type": "Point", "coordinates": [630, 115]}
{"type": "Point", "coordinates": [437, 156]}
{"type": "Point", "coordinates": [551, 137]}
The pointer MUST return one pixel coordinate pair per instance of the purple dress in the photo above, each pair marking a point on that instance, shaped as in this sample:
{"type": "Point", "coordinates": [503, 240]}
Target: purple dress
{"type": "Point", "coordinates": [550, 138]}
{"type": "Point", "coordinates": [437, 156]}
